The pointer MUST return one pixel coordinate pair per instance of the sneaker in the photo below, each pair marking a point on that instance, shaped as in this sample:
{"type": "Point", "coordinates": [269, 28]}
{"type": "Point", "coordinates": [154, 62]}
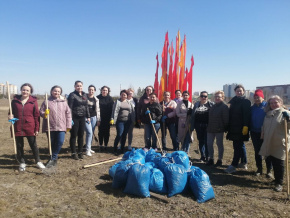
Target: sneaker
{"type": "Point", "coordinates": [230, 169]}
{"type": "Point", "coordinates": [40, 165]}
{"type": "Point", "coordinates": [74, 156]}
{"type": "Point", "coordinates": [202, 159]}
{"type": "Point", "coordinates": [210, 162]}
{"type": "Point", "coordinates": [243, 166]}
{"type": "Point", "coordinates": [278, 188]}
{"type": "Point", "coordinates": [80, 155]}
{"type": "Point", "coordinates": [92, 151]}
{"type": "Point", "coordinates": [259, 172]}
{"type": "Point", "coordinates": [129, 148]}
{"type": "Point", "coordinates": [219, 163]}
{"type": "Point", "coordinates": [269, 175]}
{"type": "Point", "coordinates": [88, 153]}
{"type": "Point", "coordinates": [51, 163]}
{"type": "Point", "coordinates": [22, 167]}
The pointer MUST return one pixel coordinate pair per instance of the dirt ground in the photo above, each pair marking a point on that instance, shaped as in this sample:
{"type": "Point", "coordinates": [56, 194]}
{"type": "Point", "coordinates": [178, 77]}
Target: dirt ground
{"type": "Point", "coordinates": [74, 192]}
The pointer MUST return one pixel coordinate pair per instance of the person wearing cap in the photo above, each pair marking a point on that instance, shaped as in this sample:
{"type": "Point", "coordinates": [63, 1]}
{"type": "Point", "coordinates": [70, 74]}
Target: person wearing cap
{"type": "Point", "coordinates": [257, 118]}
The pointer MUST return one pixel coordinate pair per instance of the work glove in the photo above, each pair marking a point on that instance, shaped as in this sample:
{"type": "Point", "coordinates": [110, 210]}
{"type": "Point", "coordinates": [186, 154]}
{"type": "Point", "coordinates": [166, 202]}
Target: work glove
{"type": "Point", "coordinates": [163, 118]}
{"type": "Point", "coordinates": [245, 130]}
{"type": "Point", "coordinates": [147, 112]}
{"type": "Point", "coordinates": [153, 121]}
{"type": "Point", "coordinates": [68, 129]}
{"type": "Point", "coordinates": [46, 113]}
{"type": "Point", "coordinates": [112, 122]}
{"type": "Point", "coordinates": [13, 120]}
{"type": "Point", "coordinates": [286, 115]}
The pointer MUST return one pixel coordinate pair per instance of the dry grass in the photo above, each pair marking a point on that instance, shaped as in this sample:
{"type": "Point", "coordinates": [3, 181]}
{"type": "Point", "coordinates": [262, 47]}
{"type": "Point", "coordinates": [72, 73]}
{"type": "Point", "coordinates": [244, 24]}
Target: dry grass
{"type": "Point", "coordinates": [72, 192]}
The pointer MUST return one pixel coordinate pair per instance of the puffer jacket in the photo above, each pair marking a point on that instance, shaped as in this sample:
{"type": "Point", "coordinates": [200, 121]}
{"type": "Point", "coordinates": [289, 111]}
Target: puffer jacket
{"type": "Point", "coordinates": [257, 117]}
{"type": "Point", "coordinates": [155, 112]}
{"type": "Point", "coordinates": [218, 118]}
{"type": "Point", "coordinates": [59, 115]}
{"type": "Point", "coordinates": [28, 115]}
{"type": "Point", "coordinates": [106, 106]}
{"type": "Point", "coordinates": [78, 104]}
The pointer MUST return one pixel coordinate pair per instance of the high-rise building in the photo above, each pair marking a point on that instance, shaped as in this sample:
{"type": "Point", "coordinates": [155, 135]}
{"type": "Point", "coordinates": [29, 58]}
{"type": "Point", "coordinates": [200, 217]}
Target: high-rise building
{"type": "Point", "coordinates": [229, 90]}
{"type": "Point", "coordinates": [12, 89]}
{"type": "Point", "coordinates": [282, 90]}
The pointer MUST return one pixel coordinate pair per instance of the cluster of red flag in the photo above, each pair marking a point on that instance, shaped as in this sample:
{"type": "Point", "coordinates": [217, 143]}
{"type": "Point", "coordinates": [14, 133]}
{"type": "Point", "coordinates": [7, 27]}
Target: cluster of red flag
{"type": "Point", "coordinates": [176, 76]}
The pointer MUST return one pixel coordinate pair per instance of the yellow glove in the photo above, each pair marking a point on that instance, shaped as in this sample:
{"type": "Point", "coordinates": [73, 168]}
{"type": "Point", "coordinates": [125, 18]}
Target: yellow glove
{"type": "Point", "coordinates": [46, 113]}
{"type": "Point", "coordinates": [112, 122]}
{"type": "Point", "coordinates": [245, 130]}
{"type": "Point", "coordinates": [68, 129]}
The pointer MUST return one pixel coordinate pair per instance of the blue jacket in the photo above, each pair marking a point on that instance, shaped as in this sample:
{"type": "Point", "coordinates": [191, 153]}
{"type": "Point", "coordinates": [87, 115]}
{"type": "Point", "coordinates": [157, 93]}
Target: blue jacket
{"type": "Point", "coordinates": [257, 116]}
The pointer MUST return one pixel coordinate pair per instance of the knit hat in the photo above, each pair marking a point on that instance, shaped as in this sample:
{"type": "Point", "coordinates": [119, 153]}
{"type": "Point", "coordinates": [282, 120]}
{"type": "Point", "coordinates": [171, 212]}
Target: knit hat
{"type": "Point", "coordinates": [259, 93]}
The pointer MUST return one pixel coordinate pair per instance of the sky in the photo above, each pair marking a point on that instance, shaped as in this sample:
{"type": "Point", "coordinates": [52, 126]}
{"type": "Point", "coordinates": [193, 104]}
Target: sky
{"type": "Point", "coordinates": [115, 42]}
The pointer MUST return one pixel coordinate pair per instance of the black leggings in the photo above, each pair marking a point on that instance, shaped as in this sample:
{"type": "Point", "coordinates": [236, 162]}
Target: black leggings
{"type": "Point", "coordinates": [278, 167]}
{"type": "Point", "coordinates": [104, 132]}
{"type": "Point", "coordinates": [77, 130]}
{"type": "Point", "coordinates": [20, 148]}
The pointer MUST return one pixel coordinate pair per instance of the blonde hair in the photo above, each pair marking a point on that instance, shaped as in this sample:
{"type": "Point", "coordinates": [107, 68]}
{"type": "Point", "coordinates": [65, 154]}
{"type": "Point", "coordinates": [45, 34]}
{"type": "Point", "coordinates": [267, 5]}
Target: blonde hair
{"type": "Point", "coordinates": [130, 90]}
{"type": "Point", "coordinates": [278, 98]}
{"type": "Point", "coordinates": [220, 92]}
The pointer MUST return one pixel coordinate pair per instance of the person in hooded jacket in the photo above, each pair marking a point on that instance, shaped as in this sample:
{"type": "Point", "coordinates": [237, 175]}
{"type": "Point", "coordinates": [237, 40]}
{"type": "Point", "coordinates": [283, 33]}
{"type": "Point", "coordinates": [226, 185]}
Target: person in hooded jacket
{"type": "Point", "coordinates": [239, 122]}
{"type": "Point", "coordinates": [106, 105]}
{"type": "Point", "coordinates": [25, 114]}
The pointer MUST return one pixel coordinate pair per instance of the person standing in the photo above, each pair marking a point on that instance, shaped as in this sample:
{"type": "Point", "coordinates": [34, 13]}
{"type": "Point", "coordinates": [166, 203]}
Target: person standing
{"type": "Point", "coordinates": [240, 116]}
{"type": "Point", "coordinates": [178, 98]}
{"type": "Point", "coordinates": [59, 121]}
{"type": "Point", "coordinates": [218, 121]}
{"type": "Point", "coordinates": [94, 110]}
{"type": "Point", "coordinates": [199, 122]}
{"type": "Point", "coordinates": [25, 110]}
{"type": "Point", "coordinates": [273, 133]}
{"type": "Point", "coordinates": [133, 101]}
{"type": "Point", "coordinates": [78, 103]}
{"type": "Point", "coordinates": [106, 105]}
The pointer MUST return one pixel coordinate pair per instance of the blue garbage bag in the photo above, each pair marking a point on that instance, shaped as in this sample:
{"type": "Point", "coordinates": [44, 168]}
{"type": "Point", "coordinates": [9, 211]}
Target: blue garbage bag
{"type": "Point", "coordinates": [121, 174]}
{"type": "Point", "coordinates": [181, 157]}
{"type": "Point", "coordinates": [151, 165]}
{"type": "Point", "coordinates": [138, 181]}
{"type": "Point", "coordinates": [150, 157]}
{"type": "Point", "coordinates": [161, 162]}
{"type": "Point", "coordinates": [129, 154]}
{"type": "Point", "coordinates": [141, 151]}
{"type": "Point", "coordinates": [200, 186]}
{"type": "Point", "coordinates": [151, 151]}
{"type": "Point", "coordinates": [176, 178]}
{"type": "Point", "coordinates": [113, 169]}
{"type": "Point", "coordinates": [157, 182]}
{"type": "Point", "coordinates": [169, 155]}
{"type": "Point", "coordinates": [138, 158]}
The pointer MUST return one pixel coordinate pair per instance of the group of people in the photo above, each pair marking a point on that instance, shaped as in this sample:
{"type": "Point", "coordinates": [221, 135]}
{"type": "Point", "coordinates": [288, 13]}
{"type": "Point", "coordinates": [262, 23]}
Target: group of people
{"type": "Point", "coordinates": [82, 112]}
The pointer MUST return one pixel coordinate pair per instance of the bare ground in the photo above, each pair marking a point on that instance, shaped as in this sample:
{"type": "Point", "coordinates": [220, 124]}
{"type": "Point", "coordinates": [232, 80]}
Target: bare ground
{"type": "Point", "coordinates": [74, 192]}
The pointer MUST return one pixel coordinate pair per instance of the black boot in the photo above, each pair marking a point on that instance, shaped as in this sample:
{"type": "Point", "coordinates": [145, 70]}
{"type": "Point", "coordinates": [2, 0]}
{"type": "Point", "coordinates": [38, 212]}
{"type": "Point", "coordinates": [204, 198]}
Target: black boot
{"type": "Point", "coordinates": [74, 156]}
{"type": "Point", "coordinates": [81, 156]}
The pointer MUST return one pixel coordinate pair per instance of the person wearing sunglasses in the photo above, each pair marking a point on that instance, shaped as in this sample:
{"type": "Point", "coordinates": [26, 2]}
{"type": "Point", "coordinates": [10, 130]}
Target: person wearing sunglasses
{"type": "Point", "coordinates": [199, 122]}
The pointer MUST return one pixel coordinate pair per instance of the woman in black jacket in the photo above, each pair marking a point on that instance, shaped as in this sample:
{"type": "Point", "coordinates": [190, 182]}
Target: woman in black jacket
{"type": "Point", "coordinates": [106, 105]}
{"type": "Point", "coordinates": [239, 121]}
{"type": "Point", "coordinates": [78, 103]}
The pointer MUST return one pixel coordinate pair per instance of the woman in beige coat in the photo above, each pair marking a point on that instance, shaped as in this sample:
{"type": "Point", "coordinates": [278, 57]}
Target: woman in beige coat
{"type": "Point", "coordinates": [273, 133]}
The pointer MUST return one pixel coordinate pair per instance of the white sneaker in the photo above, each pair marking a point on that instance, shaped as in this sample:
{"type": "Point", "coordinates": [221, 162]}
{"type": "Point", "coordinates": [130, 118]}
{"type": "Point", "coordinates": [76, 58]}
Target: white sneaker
{"type": "Point", "coordinates": [230, 169]}
{"type": "Point", "coordinates": [22, 167]}
{"type": "Point", "coordinates": [129, 148]}
{"type": "Point", "coordinates": [40, 165]}
{"type": "Point", "coordinates": [243, 166]}
{"type": "Point", "coordinates": [88, 153]}
{"type": "Point", "coordinates": [92, 151]}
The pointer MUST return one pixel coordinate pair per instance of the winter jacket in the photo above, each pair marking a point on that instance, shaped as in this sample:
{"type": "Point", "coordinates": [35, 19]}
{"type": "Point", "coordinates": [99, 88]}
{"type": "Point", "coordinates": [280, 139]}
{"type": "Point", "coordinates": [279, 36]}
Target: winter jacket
{"type": "Point", "coordinates": [218, 119]}
{"type": "Point", "coordinates": [78, 104]}
{"type": "Point", "coordinates": [142, 102]}
{"type": "Point", "coordinates": [184, 119]}
{"type": "Point", "coordinates": [169, 111]}
{"type": "Point", "coordinates": [257, 117]}
{"type": "Point", "coordinates": [116, 109]}
{"type": "Point", "coordinates": [197, 105]}
{"type": "Point", "coordinates": [59, 115]}
{"type": "Point", "coordinates": [155, 112]}
{"type": "Point", "coordinates": [273, 132]}
{"type": "Point", "coordinates": [135, 108]}
{"type": "Point", "coordinates": [240, 115]}
{"type": "Point", "coordinates": [106, 106]}
{"type": "Point", "coordinates": [97, 109]}
{"type": "Point", "coordinates": [28, 115]}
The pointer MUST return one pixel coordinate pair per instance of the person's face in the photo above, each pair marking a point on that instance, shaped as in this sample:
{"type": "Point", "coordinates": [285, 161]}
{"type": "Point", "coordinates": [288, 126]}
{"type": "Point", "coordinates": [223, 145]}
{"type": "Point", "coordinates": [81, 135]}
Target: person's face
{"type": "Point", "coordinates": [91, 91]}
{"type": "Point", "coordinates": [130, 94]}
{"type": "Point", "coordinates": [123, 96]}
{"type": "Point", "coordinates": [178, 94]}
{"type": "Point", "coordinates": [218, 98]}
{"type": "Point", "coordinates": [56, 92]}
{"type": "Point", "coordinates": [274, 104]}
{"type": "Point", "coordinates": [79, 87]}
{"type": "Point", "coordinates": [166, 96]}
{"type": "Point", "coordinates": [149, 90]}
{"type": "Point", "coordinates": [203, 97]}
{"type": "Point", "coordinates": [258, 100]}
{"type": "Point", "coordinates": [153, 98]}
{"type": "Point", "coordinates": [25, 91]}
{"type": "Point", "coordinates": [185, 96]}
{"type": "Point", "coordinates": [239, 92]}
{"type": "Point", "coordinates": [105, 91]}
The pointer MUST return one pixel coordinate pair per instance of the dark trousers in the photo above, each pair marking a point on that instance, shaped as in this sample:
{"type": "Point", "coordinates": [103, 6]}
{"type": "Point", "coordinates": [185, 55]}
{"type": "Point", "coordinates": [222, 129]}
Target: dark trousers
{"type": "Point", "coordinates": [20, 148]}
{"type": "Point", "coordinates": [57, 139]}
{"type": "Point", "coordinates": [171, 129]}
{"type": "Point", "coordinates": [257, 143]}
{"type": "Point", "coordinates": [122, 131]}
{"type": "Point", "coordinates": [201, 134]}
{"type": "Point", "coordinates": [77, 131]}
{"type": "Point", "coordinates": [240, 153]}
{"type": "Point", "coordinates": [278, 167]}
{"type": "Point", "coordinates": [104, 132]}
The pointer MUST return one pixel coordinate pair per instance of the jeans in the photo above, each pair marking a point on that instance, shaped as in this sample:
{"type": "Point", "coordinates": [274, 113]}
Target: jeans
{"type": "Point", "coordinates": [257, 143]}
{"type": "Point", "coordinates": [239, 153]}
{"type": "Point", "coordinates": [171, 129]}
{"type": "Point", "coordinates": [77, 130]}
{"type": "Point", "coordinates": [278, 167]}
{"type": "Point", "coordinates": [122, 131]}
{"type": "Point", "coordinates": [149, 132]}
{"type": "Point", "coordinates": [220, 144]}
{"type": "Point", "coordinates": [57, 139]}
{"type": "Point", "coordinates": [130, 134]}
{"type": "Point", "coordinates": [201, 134]}
{"type": "Point", "coordinates": [20, 148]}
{"type": "Point", "coordinates": [90, 129]}
{"type": "Point", "coordinates": [186, 143]}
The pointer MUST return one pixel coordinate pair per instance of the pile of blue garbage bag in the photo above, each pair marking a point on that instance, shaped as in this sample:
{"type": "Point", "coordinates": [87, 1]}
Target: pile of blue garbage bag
{"type": "Point", "coordinates": [141, 171]}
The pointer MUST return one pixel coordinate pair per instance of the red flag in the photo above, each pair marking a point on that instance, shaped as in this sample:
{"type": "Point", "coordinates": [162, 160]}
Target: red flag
{"type": "Point", "coordinates": [181, 74]}
{"type": "Point", "coordinates": [156, 84]}
{"type": "Point", "coordinates": [189, 80]}
{"type": "Point", "coordinates": [184, 88]}
{"type": "Point", "coordinates": [171, 85]}
{"type": "Point", "coordinates": [176, 62]}
{"type": "Point", "coordinates": [163, 80]}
